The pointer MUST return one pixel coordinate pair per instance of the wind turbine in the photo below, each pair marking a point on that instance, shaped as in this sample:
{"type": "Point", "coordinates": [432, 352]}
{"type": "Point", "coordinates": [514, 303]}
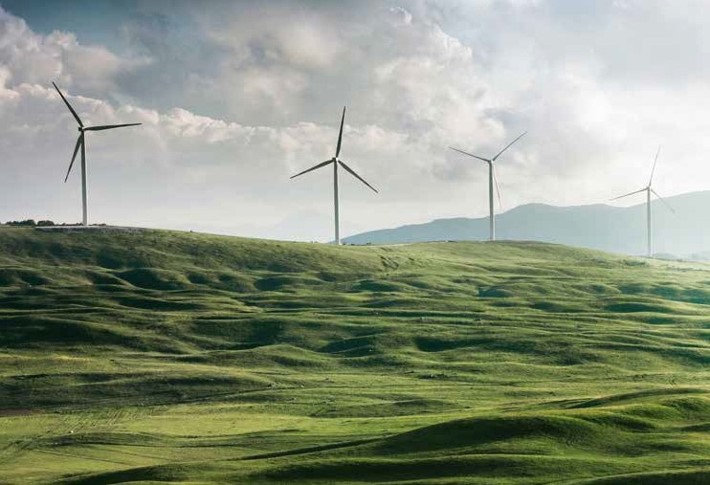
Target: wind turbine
{"type": "Point", "coordinates": [336, 162]}
{"type": "Point", "coordinates": [81, 143]}
{"type": "Point", "coordinates": [648, 189]}
{"type": "Point", "coordinates": [491, 179]}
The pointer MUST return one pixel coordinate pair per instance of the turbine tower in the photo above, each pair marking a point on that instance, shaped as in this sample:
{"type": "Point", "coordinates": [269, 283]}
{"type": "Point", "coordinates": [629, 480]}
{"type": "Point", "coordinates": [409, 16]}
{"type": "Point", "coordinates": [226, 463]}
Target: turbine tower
{"type": "Point", "coordinates": [80, 143]}
{"type": "Point", "coordinates": [337, 162]}
{"type": "Point", "coordinates": [491, 180]}
{"type": "Point", "coordinates": [649, 189]}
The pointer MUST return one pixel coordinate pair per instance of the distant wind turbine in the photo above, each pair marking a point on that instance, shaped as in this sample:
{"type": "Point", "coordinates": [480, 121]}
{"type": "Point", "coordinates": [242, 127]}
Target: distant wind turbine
{"type": "Point", "coordinates": [80, 143]}
{"type": "Point", "coordinates": [491, 180]}
{"type": "Point", "coordinates": [336, 161]}
{"type": "Point", "coordinates": [648, 189]}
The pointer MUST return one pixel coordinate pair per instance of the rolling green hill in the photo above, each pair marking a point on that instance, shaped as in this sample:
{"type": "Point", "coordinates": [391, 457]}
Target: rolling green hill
{"type": "Point", "coordinates": [156, 356]}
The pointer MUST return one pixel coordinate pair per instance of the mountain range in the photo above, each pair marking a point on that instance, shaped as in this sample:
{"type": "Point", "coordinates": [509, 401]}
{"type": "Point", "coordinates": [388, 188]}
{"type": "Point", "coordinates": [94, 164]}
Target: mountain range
{"type": "Point", "coordinates": [683, 233]}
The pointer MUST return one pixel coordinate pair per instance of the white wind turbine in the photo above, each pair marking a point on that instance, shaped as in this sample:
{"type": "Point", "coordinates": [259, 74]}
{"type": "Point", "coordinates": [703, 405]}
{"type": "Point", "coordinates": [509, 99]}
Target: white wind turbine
{"type": "Point", "coordinates": [491, 180]}
{"type": "Point", "coordinates": [336, 162]}
{"type": "Point", "coordinates": [80, 142]}
{"type": "Point", "coordinates": [648, 189]}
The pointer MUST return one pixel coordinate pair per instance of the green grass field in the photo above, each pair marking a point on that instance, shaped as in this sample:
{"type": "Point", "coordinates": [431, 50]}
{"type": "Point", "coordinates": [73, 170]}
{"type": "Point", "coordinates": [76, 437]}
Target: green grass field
{"type": "Point", "coordinates": [159, 356]}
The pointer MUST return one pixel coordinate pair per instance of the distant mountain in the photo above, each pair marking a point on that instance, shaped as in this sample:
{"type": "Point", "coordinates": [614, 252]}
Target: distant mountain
{"type": "Point", "coordinates": [684, 233]}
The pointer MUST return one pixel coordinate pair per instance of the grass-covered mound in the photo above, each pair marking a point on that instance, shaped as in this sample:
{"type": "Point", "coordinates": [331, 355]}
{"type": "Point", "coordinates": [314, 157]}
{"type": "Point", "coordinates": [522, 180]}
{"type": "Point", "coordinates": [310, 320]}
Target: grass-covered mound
{"type": "Point", "coordinates": [155, 356]}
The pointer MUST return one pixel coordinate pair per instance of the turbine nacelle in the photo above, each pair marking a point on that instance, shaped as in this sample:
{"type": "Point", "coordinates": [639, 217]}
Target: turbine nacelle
{"type": "Point", "coordinates": [336, 160]}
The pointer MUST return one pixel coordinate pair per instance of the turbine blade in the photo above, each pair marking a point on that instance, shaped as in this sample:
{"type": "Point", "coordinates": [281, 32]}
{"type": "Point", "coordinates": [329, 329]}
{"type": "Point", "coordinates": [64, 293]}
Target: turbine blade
{"type": "Point", "coordinates": [314, 168]}
{"type": "Point", "coordinates": [356, 175]}
{"type": "Point", "coordinates": [470, 154]}
{"type": "Point", "coordinates": [626, 195]}
{"type": "Point", "coordinates": [664, 201]}
{"type": "Point", "coordinates": [495, 179]}
{"type": "Point", "coordinates": [108, 127]}
{"type": "Point", "coordinates": [79, 141]}
{"type": "Point", "coordinates": [340, 135]}
{"type": "Point", "coordinates": [655, 161]}
{"type": "Point", "coordinates": [508, 146]}
{"type": "Point", "coordinates": [76, 116]}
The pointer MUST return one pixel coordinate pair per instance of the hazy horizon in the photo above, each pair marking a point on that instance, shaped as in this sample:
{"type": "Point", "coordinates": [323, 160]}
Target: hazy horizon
{"type": "Point", "coordinates": [234, 100]}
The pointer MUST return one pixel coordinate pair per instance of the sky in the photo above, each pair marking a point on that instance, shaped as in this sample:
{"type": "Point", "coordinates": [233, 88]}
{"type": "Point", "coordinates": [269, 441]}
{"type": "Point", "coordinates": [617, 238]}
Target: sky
{"type": "Point", "coordinates": [235, 97]}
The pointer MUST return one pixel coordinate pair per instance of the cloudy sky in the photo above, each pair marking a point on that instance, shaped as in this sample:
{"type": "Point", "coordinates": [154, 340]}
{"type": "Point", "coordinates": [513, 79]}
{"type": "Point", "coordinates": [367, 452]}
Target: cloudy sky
{"type": "Point", "coordinates": [235, 97]}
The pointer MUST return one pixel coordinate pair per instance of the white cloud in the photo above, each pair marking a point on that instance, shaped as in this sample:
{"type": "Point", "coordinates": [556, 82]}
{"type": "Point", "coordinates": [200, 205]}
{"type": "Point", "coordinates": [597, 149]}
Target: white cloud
{"type": "Point", "coordinates": [33, 58]}
{"type": "Point", "coordinates": [260, 96]}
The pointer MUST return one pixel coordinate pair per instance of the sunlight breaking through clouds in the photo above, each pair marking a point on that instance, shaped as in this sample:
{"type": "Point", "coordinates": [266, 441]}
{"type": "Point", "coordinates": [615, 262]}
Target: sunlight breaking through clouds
{"type": "Point", "coordinates": [249, 102]}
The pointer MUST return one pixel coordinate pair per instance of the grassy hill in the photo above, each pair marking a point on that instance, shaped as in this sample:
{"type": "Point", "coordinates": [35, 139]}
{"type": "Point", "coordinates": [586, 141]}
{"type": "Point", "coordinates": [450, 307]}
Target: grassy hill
{"type": "Point", "coordinates": [156, 356]}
